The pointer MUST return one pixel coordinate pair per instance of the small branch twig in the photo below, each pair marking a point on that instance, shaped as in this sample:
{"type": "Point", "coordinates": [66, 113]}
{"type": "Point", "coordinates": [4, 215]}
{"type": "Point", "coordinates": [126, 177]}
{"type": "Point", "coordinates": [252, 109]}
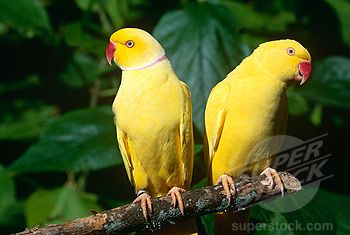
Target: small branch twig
{"type": "Point", "coordinates": [197, 202]}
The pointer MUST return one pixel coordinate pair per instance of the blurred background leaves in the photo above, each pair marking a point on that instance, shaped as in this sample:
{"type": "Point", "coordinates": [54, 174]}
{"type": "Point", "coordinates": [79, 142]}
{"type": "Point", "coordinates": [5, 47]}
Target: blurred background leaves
{"type": "Point", "coordinates": [211, 46]}
{"type": "Point", "coordinates": [59, 153]}
{"type": "Point", "coordinates": [81, 140]}
{"type": "Point", "coordinates": [29, 18]}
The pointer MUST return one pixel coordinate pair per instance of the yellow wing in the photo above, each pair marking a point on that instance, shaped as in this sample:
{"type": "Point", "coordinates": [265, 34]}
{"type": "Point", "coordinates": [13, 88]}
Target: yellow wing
{"type": "Point", "coordinates": [186, 137]}
{"type": "Point", "coordinates": [215, 114]}
{"type": "Point", "coordinates": [125, 151]}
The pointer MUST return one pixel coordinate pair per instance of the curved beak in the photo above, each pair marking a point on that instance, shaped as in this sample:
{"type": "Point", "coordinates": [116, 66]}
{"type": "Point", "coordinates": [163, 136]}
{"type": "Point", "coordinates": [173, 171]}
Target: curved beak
{"type": "Point", "coordinates": [305, 68]}
{"type": "Point", "coordinates": [110, 49]}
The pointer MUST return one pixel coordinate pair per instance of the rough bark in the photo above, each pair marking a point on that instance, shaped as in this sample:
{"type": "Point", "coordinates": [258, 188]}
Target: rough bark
{"type": "Point", "coordinates": [197, 202]}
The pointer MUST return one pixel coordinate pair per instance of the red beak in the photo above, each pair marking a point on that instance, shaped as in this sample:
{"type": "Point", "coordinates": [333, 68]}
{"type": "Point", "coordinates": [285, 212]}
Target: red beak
{"type": "Point", "coordinates": [110, 49]}
{"type": "Point", "coordinates": [305, 68]}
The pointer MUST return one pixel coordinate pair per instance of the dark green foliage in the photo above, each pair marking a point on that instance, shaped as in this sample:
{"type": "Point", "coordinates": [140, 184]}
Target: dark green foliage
{"type": "Point", "coordinates": [56, 92]}
{"type": "Point", "coordinates": [332, 83]}
{"type": "Point", "coordinates": [9, 207]}
{"type": "Point", "coordinates": [27, 17]}
{"type": "Point", "coordinates": [58, 205]}
{"type": "Point", "coordinates": [81, 140]}
{"type": "Point", "coordinates": [202, 46]}
{"type": "Point", "coordinates": [326, 207]}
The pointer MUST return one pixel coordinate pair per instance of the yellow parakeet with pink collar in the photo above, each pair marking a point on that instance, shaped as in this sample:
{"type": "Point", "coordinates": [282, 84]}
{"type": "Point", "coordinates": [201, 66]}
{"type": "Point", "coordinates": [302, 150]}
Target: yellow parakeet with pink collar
{"type": "Point", "coordinates": [153, 118]}
{"type": "Point", "coordinates": [247, 108]}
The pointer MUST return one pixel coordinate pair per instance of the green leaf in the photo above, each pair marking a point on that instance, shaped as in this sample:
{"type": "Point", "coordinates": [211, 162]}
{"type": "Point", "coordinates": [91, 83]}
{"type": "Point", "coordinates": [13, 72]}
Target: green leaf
{"type": "Point", "coordinates": [339, 209]}
{"type": "Point", "coordinates": [78, 141]}
{"type": "Point", "coordinates": [249, 18]}
{"type": "Point", "coordinates": [3, 28]}
{"type": "Point", "coordinates": [330, 82]}
{"type": "Point", "coordinates": [112, 12]}
{"type": "Point", "coordinates": [317, 212]}
{"type": "Point", "coordinates": [297, 104]}
{"type": "Point", "coordinates": [198, 148]}
{"type": "Point", "coordinates": [276, 223]}
{"type": "Point", "coordinates": [87, 5]}
{"type": "Point", "coordinates": [27, 17]}
{"type": "Point", "coordinates": [203, 46]}
{"type": "Point", "coordinates": [115, 11]}
{"type": "Point", "coordinates": [58, 205]}
{"type": "Point", "coordinates": [11, 210]}
{"type": "Point", "coordinates": [316, 115]}
{"type": "Point", "coordinates": [122, 11]}
{"type": "Point", "coordinates": [324, 214]}
{"type": "Point", "coordinates": [254, 25]}
{"type": "Point", "coordinates": [268, 223]}
{"type": "Point", "coordinates": [81, 72]}
{"type": "Point", "coordinates": [209, 223]}
{"type": "Point", "coordinates": [199, 169]}
{"type": "Point", "coordinates": [7, 194]}
{"type": "Point", "coordinates": [28, 124]}
{"type": "Point", "coordinates": [342, 7]}
{"type": "Point", "coordinates": [203, 182]}
{"type": "Point", "coordinates": [30, 81]}
{"type": "Point", "coordinates": [338, 205]}
{"type": "Point", "coordinates": [76, 36]}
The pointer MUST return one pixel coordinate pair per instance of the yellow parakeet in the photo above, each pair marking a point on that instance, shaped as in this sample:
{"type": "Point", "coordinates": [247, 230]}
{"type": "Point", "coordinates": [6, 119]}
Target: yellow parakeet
{"type": "Point", "coordinates": [244, 110]}
{"type": "Point", "coordinates": [153, 118]}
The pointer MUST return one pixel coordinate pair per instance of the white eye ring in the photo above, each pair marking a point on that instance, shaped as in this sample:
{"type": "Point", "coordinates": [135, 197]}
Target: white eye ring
{"type": "Point", "coordinates": [291, 51]}
{"type": "Point", "coordinates": [129, 43]}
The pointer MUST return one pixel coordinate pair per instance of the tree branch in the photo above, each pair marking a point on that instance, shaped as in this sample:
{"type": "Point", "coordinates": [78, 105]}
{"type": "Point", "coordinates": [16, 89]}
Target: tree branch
{"type": "Point", "coordinates": [197, 202]}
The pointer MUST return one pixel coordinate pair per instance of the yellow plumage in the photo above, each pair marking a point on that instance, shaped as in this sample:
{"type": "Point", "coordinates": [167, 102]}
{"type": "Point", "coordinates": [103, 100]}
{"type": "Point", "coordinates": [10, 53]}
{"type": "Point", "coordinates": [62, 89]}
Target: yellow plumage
{"type": "Point", "coordinates": [153, 118]}
{"type": "Point", "coordinates": [248, 107]}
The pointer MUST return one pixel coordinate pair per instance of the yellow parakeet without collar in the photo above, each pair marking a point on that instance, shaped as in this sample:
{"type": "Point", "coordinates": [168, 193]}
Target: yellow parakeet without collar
{"type": "Point", "coordinates": [244, 110]}
{"type": "Point", "coordinates": [153, 118]}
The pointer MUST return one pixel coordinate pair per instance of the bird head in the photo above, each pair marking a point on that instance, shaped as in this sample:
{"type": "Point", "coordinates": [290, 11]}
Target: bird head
{"type": "Point", "coordinates": [133, 49]}
{"type": "Point", "coordinates": [287, 59]}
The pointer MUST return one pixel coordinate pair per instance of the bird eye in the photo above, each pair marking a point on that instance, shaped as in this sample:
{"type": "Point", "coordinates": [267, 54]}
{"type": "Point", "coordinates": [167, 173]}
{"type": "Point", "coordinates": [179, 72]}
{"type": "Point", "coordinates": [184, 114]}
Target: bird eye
{"type": "Point", "coordinates": [130, 43]}
{"type": "Point", "coordinates": [290, 51]}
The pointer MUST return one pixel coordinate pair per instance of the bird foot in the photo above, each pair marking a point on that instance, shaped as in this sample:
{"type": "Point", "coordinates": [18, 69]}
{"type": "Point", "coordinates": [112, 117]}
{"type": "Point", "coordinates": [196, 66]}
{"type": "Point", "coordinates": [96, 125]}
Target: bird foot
{"type": "Point", "coordinates": [229, 186]}
{"type": "Point", "coordinates": [145, 200]}
{"type": "Point", "coordinates": [273, 179]}
{"type": "Point", "coordinates": [175, 193]}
